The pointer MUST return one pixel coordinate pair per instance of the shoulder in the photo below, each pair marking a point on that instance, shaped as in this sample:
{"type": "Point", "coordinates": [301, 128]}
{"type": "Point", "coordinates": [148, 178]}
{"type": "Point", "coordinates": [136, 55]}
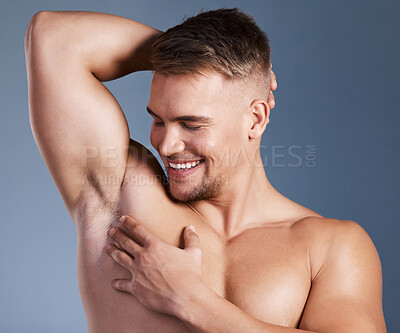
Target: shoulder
{"type": "Point", "coordinates": [145, 181]}
{"type": "Point", "coordinates": [346, 278]}
{"type": "Point", "coordinates": [319, 231]}
{"type": "Point", "coordinates": [323, 233]}
{"type": "Point", "coordinates": [325, 225]}
{"type": "Point", "coordinates": [141, 161]}
{"type": "Point", "coordinates": [333, 241]}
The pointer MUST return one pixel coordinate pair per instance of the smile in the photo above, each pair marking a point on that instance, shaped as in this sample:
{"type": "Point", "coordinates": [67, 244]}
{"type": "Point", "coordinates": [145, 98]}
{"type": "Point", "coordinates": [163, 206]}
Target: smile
{"type": "Point", "coordinates": [184, 166]}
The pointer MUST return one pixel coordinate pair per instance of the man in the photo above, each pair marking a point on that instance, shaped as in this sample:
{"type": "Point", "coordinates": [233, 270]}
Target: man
{"type": "Point", "coordinates": [265, 263]}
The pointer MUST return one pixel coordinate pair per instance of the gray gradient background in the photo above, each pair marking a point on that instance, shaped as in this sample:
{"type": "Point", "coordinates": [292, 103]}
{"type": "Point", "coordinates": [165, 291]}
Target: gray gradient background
{"type": "Point", "coordinates": [338, 89]}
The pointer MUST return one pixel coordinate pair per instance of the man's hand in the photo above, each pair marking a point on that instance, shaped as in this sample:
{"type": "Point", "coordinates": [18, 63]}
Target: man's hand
{"type": "Point", "coordinates": [167, 279]}
{"type": "Point", "coordinates": [163, 276]}
{"type": "Point", "coordinates": [273, 85]}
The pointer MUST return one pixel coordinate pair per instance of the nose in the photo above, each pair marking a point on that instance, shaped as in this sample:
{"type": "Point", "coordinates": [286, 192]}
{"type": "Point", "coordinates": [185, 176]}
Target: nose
{"type": "Point", "coordinates": [171, 143]}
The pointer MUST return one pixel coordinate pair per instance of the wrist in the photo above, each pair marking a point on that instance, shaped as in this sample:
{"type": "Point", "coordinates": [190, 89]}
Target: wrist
{"type": "Point", "coordinates": [194, 304]}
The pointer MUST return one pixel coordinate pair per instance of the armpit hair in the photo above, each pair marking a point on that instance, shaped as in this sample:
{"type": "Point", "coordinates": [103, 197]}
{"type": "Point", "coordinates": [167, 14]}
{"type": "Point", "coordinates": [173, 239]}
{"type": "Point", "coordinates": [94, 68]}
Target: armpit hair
{"type": "Point", "coordinates": [98, 208]}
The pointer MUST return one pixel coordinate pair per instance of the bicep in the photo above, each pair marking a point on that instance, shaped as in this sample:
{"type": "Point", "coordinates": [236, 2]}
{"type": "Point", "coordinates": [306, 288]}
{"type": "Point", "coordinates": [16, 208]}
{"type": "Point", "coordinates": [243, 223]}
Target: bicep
{"type": "Point", "coordinates": [78, 125]}
{"type": "Point", "coordinates": [346, 293]}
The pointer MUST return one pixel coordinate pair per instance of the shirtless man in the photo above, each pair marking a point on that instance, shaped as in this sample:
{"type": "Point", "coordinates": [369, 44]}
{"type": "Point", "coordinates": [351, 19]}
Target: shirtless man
{"type": "Point", "coordinates": [264, 263]}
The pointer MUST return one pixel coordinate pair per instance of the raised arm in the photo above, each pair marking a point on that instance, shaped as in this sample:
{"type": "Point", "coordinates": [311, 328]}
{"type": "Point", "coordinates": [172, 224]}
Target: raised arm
{"type": "Point", "coordinates": [77, 123]}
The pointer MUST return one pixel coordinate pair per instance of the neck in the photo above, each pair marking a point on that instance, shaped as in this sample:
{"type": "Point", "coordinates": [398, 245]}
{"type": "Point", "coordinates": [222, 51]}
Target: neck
{"type": "Point", "coordinates": [243, 203]}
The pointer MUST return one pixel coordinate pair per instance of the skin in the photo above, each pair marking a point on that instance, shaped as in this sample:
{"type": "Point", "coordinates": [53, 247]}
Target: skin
{"type": "Point", "coordinates": [226, 156]}
{"type": "Point", "coordinates": [257, 262]}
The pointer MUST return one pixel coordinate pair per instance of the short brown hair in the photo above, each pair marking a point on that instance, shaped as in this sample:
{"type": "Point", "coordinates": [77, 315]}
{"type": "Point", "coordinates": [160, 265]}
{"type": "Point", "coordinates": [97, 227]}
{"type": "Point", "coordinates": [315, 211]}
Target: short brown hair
{"type": "Point", "coordinates": [227, 41]}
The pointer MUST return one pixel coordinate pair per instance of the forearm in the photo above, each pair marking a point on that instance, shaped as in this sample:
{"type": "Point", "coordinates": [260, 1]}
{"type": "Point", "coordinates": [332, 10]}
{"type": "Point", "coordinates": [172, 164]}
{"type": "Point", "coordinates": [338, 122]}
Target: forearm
{"type": "Point", "coordinates": [108, 46]}
{"type": "Point", "coordinates": [206, 312]}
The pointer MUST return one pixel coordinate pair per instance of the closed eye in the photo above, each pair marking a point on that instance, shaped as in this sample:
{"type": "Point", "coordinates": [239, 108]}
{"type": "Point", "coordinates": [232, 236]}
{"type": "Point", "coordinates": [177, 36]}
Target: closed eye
{"type": "Point", "coordinates": [190, 128]}
{"type": "Point", "coordinates": [158, 123]}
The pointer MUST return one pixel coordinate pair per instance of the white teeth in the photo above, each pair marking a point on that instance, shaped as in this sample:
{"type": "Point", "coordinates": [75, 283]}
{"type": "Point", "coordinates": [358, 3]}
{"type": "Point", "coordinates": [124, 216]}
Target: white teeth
{"type": "Point", "coordinates": [184, 166]}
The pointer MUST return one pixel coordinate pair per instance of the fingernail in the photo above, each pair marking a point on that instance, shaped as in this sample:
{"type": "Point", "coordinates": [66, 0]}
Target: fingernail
{"type": "Point", "coordinates": [108, 247]}
{"type": "Point", "coordinates": [122, 219]}
{"type": "Point", "coordinates": [112, 231]}
{"type": "Point", "coordinates": [191, 227]}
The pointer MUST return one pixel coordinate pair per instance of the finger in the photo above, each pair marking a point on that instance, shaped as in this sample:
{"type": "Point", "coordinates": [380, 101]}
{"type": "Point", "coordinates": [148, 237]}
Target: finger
{"type": "Point", "coordinates": [120, 257]}
{"type": "Point", "coordinates": [137, 230]}
{"type": "Point", "coordinates": [192, 241]}
{"type": "Point", "coordinates": [274, 83]}
{"type": "Point", "coordinates": [122, 285]}
{"type": "Point", "coordinates": [125, 242]}
{"type": "Point", "coordinates": [271, 100]}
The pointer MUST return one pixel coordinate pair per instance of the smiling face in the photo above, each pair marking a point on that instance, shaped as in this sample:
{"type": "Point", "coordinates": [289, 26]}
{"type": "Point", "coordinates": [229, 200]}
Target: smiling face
{"type": "Point", "coordinates": [200, 130]}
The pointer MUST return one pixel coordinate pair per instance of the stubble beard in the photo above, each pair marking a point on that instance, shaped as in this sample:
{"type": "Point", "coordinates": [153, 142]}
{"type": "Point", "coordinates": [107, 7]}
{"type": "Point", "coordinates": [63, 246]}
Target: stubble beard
{"type": "Point", "coordinates": [208, 187]}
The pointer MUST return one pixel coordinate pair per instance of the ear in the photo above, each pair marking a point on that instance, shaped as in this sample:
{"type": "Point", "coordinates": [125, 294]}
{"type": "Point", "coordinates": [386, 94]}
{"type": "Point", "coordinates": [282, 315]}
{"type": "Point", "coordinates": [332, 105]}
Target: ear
{"type": "Point", "coordinates": [259, 118]}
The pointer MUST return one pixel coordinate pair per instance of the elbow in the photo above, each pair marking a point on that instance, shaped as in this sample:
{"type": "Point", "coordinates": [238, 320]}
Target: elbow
{"type": "Point", "coordinates": [38, 30]}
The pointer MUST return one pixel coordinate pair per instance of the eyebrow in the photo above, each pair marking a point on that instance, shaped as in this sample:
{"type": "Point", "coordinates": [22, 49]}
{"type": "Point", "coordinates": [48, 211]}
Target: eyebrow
{"type": "Point", "coordinates": [183, 118]}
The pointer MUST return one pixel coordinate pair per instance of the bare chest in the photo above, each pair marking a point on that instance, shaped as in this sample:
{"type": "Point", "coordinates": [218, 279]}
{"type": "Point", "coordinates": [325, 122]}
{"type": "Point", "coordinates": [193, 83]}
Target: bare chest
{"type": "Point", "coordinates": [264, 272]}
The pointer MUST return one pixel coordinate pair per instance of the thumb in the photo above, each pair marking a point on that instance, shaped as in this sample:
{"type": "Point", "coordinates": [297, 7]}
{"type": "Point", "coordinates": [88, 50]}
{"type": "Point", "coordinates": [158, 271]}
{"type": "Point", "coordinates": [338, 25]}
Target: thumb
{"type": "Point", "coordinates": [122, 285]}
{"type": "Point", "coordinates": [191, 238]}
